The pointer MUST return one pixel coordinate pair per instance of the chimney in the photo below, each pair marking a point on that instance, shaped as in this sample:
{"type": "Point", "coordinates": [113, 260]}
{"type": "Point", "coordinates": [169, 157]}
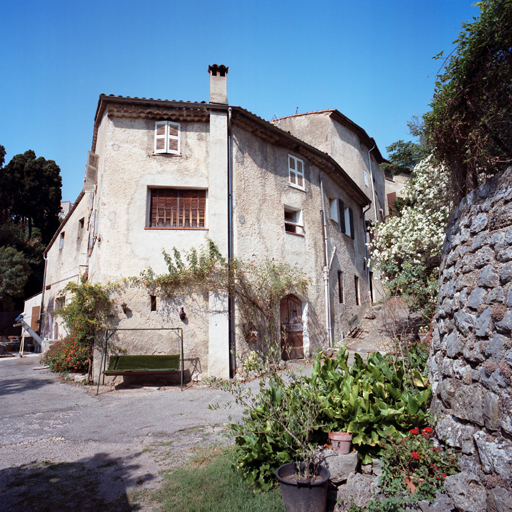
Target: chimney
{"type": "Point", "coordinates": [218, 84]}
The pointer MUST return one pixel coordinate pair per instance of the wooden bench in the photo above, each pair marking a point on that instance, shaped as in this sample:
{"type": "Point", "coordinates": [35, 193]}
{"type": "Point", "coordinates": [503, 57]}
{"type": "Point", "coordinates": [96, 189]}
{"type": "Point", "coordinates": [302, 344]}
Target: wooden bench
{"type": "Point", "coordinates": [144, 365]}
{"type": "Point", "coordinates": [353, 326]}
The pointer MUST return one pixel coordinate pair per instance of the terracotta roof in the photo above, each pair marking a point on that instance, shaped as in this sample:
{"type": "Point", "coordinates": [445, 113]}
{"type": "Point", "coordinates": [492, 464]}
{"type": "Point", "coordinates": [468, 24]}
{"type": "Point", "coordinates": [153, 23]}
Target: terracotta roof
{"type": "Point", "coordinates": [131, 107]}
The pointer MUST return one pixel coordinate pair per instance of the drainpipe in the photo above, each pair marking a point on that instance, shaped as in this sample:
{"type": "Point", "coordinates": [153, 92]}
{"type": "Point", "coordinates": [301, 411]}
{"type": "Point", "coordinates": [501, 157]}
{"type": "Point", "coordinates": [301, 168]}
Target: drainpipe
{"type": "Point", "coordinates": [326, 269]}
{"type": "Point", "coordinates": [41, 309]}
{"type": "Point", "coordinates": [371, 178]}
{"type": "Point", "coordinates": [367, 253]}
{"type": "Point", "coordinates": [231, 301]}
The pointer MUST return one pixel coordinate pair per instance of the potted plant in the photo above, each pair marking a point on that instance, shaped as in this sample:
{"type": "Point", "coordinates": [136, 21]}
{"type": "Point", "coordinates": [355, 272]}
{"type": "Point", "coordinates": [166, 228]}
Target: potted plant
{"type": "Point", "coordinates": [341, 442]}
{"type": "Point", "coordinates": [279, 429]}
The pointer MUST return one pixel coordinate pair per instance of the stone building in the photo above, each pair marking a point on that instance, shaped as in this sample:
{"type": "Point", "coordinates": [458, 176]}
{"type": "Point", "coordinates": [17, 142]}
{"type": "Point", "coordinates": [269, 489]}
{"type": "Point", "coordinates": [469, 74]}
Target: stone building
{"type": "Point", "coordinates": [164, 174]}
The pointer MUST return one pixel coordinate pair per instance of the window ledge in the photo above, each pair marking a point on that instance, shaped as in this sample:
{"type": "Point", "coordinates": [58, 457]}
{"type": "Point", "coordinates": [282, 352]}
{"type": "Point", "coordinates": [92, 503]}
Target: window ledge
{"type": "Point", "coordinates": [166, 154]}
{"type": "Point", "coordinates": [303, 189]}
{"type": "Point", "coordinates": [176, 229]}
{"type": "Point", "coordinates": [295, 234]}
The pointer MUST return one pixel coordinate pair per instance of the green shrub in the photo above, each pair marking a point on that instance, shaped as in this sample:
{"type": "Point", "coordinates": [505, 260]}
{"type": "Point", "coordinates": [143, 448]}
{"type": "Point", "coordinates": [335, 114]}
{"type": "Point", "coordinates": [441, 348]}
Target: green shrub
{"type": "Point", "coordinates": [67, 356]}
{"type": "Point", "coordinates": [279, 426]}
{"type": "Point", "coordinates": [376, 400]}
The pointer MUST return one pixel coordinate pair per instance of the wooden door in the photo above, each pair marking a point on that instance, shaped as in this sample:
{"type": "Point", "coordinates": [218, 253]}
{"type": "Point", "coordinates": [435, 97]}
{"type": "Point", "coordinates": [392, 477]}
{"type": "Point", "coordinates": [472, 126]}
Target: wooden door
{"type": "Point", "coordinates": [34, 321]}
{"type": "Point", "coordinates": [291, 328]}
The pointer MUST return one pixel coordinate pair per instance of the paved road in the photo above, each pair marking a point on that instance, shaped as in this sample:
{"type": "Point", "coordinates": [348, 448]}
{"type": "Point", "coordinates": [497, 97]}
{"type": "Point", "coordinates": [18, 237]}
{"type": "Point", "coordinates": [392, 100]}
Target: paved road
{"type": "Point", "coordinates": [115, 443]}
{"type": "Point", "coordinates": [34, 405]}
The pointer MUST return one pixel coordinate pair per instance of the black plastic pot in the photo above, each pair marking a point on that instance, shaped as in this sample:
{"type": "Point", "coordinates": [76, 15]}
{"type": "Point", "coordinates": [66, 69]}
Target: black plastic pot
{"type": "Point", "coordinates": [303, 496]}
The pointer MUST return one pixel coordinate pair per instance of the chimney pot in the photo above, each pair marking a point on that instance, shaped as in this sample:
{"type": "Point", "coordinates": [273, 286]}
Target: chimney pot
{"type": "Point", "coordinates": [218, 84]}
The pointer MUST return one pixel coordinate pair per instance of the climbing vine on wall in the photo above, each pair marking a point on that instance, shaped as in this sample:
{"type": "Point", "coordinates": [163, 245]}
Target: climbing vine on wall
{"type": "Point", "coordinates": [257, 287]}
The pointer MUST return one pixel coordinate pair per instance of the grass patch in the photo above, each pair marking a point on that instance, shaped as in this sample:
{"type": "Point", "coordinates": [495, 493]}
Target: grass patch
{"type": "Point", "coordinates": [209, 483]}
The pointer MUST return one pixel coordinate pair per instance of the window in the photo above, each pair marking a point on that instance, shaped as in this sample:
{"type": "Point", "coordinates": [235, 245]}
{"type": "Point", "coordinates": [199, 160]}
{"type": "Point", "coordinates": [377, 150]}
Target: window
{"type": "Point", "coordinates": [61, 240]}
{"type": "Point", "coordinates": [365, 177]}
{"type": "Point", "coordinates": [81, 224]}
{"type": "Point", "coordinates": [153, 302]}
{"type": "Point", "coordinates": [296, 170]}
{"type": "Point", "coordinates": [340, 286]}
{"type": "Point", "coordinates": [293, 221]}
{"type": "Point", "coordinates": [333, 207]}
{"type": "Point", "coordinates": [167, 137]}
{"type": "Point", "coordinates": [346, 220]}
{"type": "Point", "coordinates": [177, 208]}
{"type": "Point", "coordinates": [356, 285]}
{"type": "Point", "coordinates": [60, 302]}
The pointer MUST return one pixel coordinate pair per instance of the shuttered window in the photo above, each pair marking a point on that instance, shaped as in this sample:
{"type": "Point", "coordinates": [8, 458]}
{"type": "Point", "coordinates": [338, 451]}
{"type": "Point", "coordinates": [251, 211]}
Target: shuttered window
{"type": "Point", "coordinates": [296, 171]}
{"type": "Point", "coordinates": [177, 208]}
{"type": "Point", "coordinates": [167, 137]}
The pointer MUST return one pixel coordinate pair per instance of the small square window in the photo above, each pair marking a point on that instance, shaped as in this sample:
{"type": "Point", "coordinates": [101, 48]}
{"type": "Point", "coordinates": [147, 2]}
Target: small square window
{"type": "Point", "coordinates": [365, 177]}
{"type": "Point", "coordinates": [60, 302]}
{"type": "Point", "coordinates": [61, 240]}
{"type": "Point", "coordinates": [167, 137]}
{"type": "Point", "coordinates": [293, 221]}
{"type": "Point", "coordinates": [296, 171]}
{"type": "Point", "coordinates": [153, 302]}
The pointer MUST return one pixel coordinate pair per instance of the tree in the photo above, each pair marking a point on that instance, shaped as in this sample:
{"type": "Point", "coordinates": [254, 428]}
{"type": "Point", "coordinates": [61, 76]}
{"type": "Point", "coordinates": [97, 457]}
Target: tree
{"type": "Point", "coordinates": [408, 247]}
{"type": "Point", "coordinates": [403, 156]}
{"type": "Point", "coordinates": [470, 124]}
{"type": "Point", "coordinates": [30, 189]}
{"type": "Point", "coordinates": [14, 273]}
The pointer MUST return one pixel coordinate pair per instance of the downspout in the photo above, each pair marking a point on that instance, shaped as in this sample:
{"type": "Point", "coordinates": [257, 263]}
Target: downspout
{"type": "Point", "coordinates": [41, 309]}
{"type": "Point", "coordinates": [367, 252]}
{"type": "Point", "coordinates": [326, 269]}
{"type": "Point", "coordinates": [373, 186]}
{"type": "Point", "coordinates": [231, 300]}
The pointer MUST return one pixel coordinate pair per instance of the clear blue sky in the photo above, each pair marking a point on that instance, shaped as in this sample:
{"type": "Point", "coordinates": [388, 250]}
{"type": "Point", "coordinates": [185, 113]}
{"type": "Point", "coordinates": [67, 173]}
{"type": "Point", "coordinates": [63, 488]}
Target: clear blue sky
{"type": "Point", "coordinates": [370, 59]}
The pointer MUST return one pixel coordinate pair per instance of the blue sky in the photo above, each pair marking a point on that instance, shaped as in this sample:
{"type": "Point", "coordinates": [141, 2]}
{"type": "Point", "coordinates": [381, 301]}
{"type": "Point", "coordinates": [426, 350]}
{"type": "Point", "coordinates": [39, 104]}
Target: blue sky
{"type": "Point", "coordinates": [370, 59]}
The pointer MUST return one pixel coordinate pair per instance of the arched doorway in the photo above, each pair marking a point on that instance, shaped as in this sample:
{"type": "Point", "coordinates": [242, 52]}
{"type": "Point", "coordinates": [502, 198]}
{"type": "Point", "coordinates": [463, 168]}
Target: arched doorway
{"type": "Point", "coordinates": [292, 346]}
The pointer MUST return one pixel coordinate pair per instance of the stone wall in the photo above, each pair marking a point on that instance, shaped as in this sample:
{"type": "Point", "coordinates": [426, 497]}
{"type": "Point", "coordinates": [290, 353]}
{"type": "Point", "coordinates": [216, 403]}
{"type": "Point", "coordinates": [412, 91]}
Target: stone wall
{"type": "Point", "coordinates": [471, 354]}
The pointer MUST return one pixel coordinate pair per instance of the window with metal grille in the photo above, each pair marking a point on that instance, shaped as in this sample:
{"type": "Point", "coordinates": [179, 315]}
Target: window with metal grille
{"type": "Point", "coordinates": [177, 208]}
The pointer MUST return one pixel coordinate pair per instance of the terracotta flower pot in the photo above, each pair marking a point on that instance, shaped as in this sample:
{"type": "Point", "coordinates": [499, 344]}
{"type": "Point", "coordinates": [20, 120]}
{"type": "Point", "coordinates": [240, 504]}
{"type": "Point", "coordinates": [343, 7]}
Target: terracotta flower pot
{"type": "Point", "coordinates": [341, 442]}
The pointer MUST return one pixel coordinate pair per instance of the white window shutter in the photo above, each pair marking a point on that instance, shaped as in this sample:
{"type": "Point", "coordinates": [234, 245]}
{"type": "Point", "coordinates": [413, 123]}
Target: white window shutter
{"type": "Point", "coordinates": [93, 159]}
{"type": "Point", "coordinates": [173, 141]}
{"type": "Point", "coordinates": [161, 137]}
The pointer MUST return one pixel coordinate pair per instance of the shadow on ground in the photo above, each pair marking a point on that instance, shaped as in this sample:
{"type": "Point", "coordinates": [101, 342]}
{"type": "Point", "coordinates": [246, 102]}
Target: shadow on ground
{"type": "Point", "coordinates": [11, 386]}
{"type": "Point", "coordinates": [92, 484]}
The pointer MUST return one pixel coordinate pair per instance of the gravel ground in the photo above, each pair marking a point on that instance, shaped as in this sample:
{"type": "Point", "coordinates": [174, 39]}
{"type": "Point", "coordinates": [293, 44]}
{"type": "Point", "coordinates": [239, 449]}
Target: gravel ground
{"type": "Point", "coordinates": [64, 449]}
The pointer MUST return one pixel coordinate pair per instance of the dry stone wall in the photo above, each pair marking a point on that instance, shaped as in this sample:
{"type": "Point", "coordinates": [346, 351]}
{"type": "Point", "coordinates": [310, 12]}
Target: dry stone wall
{"type": "Point", "coordinates": [471, 354]}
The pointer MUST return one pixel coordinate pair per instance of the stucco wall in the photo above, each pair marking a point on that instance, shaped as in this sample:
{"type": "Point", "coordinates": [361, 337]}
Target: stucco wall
{"type": "Point", "coordinates": [471, 354]}
{"type": "Point", "coordinates": [262, 190]}
{"type": "Point", "coordinates": [65, 262]}
{"type": "Point", "coordinates": [129, 168]}
{"type": "Point", "coordinates": [396, 184]}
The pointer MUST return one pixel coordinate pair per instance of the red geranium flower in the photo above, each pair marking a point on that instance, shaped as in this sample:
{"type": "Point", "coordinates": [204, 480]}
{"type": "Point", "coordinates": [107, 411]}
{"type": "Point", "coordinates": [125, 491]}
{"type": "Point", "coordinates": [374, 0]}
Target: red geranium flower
{"type": "Point", "coordinates": [415, 455]}
{"type": "Point", "coordinates": [415, 430]}
{"type": "Point", "coordinates": [428, 429]}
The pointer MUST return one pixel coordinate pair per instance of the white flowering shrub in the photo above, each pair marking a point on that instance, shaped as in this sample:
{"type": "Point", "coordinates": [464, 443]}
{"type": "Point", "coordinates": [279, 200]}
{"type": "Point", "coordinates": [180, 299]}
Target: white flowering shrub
{"type": "Point", "coordinates": [407, 247]}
